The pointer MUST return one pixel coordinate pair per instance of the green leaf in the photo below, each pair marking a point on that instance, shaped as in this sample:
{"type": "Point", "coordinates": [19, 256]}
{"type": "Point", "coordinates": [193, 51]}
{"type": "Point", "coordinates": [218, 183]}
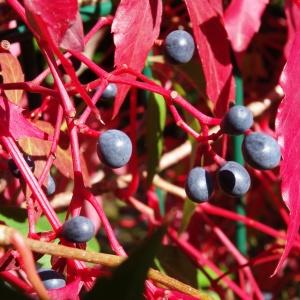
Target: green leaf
{"type": "Point", "coordinates": [15, 218]}
{"type": "Point", "coordinates": [156, 120]}
{"type": "Point", "coordinates": [128, 280]}
{"type": "Point", "coordinates": [188, 211]}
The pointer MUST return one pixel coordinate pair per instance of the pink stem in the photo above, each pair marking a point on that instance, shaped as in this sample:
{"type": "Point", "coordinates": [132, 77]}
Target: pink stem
{"type": "Point", "coordinates": [15, 153]}
{"type": "Point", "coordinates": [114, 244]}
{"type": "Point", "coordinates": [200, 259]}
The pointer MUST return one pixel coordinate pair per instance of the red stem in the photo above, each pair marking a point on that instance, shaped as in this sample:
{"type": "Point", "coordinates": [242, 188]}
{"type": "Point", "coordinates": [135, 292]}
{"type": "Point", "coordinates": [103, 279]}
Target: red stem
{"type": "Point", "coordinates": [29, 178]}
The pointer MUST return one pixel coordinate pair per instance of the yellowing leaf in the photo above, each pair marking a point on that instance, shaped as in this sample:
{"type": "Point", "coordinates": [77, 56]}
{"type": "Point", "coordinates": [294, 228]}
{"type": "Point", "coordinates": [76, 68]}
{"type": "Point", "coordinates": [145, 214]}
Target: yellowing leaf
{"type": "Point", "coordinates": [11, 71]}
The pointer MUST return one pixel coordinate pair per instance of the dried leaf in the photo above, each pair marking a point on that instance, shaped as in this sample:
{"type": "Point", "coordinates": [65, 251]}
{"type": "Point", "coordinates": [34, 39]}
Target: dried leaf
{"type": "Point", "coordinates": [242, 20]}
{"type": "Point", "coordinates": [11, 71]}
{"type": "Point", "coordinates": [63, 160]}
{"type": "Point", "coordinates": [135, 27]}
{"type": "Point", "coordinates": [287, 129]}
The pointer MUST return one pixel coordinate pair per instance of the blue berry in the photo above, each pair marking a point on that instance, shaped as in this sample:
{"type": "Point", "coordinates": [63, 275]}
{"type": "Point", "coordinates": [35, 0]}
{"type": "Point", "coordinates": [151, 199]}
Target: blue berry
{"type": "Point", "coordinates": [199, 185]}
{"type": "Point", "coordinates": [179, 46]}
{"type": "Point", "coordinates": [114, 148]}
{"type": "Point", "coordinates": [237, 120]}
{"type": "Point", "coordinates": [234, 179]}
{"type": "Point", "coordinates": [110, 92]}
{"type": "Point", "coordinates": [261, 151]}
{"type": "Point", "coordinates": [15, 170]}
{"type": "Point", "coordinates": [78, 229]}
{"type": "Point", "coordinates": [51, 187]}
{"type": "Point", "coordinates": [52, 279]}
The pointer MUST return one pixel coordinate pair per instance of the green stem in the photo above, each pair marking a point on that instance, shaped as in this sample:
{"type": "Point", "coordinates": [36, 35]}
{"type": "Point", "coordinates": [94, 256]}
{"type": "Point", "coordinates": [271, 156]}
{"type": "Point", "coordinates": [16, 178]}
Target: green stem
{"type": "Point", "coordinates": [241, 233]}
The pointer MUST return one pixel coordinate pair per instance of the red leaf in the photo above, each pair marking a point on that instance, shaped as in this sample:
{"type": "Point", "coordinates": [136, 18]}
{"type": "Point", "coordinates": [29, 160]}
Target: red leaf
{"type": "Point", "coordinates": [242, 20]}
{"type": "Point", "coordinates": [292, 12]}
{"type": "Point", "coordinates": [217, 5]}
{"type": "Point", "coordinates": [297, 2]}
{"type": "Point", "coordinates": [15, 124]}
{"type": "Point", "coordinates": [287, 129]}
{"type": "Point", "coordinates": [11, 71]}
{"type": "Point", "coordinates": [135, 27]}
{"type": "Point", "coordinates": [73, 38]}
{"type": "Point", "coordinates": [61, 19]}
{"type": "Point", "coordinates": [214, 51]}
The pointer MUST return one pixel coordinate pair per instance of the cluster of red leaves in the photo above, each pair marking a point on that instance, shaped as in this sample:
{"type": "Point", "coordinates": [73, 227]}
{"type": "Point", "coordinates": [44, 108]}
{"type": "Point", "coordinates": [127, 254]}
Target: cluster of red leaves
{"type": "Point", "coordinates": [61, 134]}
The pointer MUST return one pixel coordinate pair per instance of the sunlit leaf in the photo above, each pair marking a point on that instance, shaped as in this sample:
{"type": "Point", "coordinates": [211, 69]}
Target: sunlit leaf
{"type": "Point", "coordinates": [214, 52]}
{"type": "Point", "coordinates": [11, 71]}
{"type": "Point", "coordinates": [287, 130]}
{"type": "Point", "coordinates": [135, 27]}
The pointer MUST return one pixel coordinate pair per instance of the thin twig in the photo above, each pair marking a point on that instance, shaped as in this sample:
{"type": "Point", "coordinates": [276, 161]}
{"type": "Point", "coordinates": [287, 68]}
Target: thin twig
{"type": "Point", "coordinates": [107, 260]}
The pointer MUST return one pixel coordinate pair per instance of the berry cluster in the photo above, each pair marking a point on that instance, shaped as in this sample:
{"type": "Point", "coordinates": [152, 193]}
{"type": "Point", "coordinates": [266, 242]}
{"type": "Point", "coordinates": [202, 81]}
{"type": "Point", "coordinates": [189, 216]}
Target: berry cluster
{"type": "Point", "coordinates": [260, 151]}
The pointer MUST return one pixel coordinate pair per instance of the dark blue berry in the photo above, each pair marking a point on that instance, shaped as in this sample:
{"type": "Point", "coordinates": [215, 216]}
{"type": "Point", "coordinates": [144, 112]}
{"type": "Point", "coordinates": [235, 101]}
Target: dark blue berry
{"type": "Point", "coordinates": [51, 187]}
{"type": "Point", "coordinates": [114, 148]}
{"type": "Point", "coordinates": [78, 230]}
{"type": "Point", "coordinates": [261, 151]}
{"type": "Point", "coordinates": [179, 46]}
{"type": "Point", "coordinates": [237, 120]}
{"type": "Point", "coordinates": [110, 92]}
{"type": "Point", "coordinates": [52, 279]}
{"type": "Point", "coordinates": [15, 170]}
{"type": "Point", "coordinates": [234, 179]}
{"type": "Point", "coordinates": [199, 185]}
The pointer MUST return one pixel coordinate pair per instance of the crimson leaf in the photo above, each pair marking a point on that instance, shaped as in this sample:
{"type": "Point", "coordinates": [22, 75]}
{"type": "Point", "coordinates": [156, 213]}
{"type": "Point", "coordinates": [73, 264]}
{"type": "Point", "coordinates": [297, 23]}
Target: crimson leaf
{"type": "Point", "coordinates": [214, 52]}
{"type": "Point", "coordinates": [61, 18]}
{"type": "Point", "coordinates": [15, 124]}
{"type": "Point", "coordinates": [135, 27]}
{"type": "Point", "coordinates": [292, 12]}
{"type": "Point", "coordinates": [287, 130]}
{"type": "Point", "coordinates": [242, 20]}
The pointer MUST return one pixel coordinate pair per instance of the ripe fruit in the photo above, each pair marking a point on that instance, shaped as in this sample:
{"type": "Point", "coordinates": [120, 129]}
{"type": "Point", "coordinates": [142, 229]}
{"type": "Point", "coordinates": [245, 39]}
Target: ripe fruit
{"type": "Point", "coordinates": [114, 148]}
{"type": "Point", "coordinates": [51, 186]}
{"type": "Point", "coordinates": [261, 151]}
{"type": "Point", "coordinates": [52, 279]}
{"type": "Point", "coordinates": [110, 92]}
{"type": "Point", "coordinates": [179, 46]}
{"type": "Point", "coordinates": [234, 179]}
{"type": "Point", "coordinates": [15, 170]}
{"type": "Point", "coordinates": [199, 185]}
{"type": "Point", "coordinates": [237, 120]}
{"type": "Point", "coordinates": [78, 229]}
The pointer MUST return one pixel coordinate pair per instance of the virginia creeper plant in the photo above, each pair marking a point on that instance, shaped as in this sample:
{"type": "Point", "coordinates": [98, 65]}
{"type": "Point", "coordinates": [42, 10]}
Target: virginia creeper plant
{"type": "Point", "coordinates": [106, 127]}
